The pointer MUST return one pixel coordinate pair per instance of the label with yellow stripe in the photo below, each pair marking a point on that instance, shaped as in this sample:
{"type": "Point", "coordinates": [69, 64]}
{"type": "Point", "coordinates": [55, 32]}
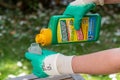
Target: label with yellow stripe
{"type": "Point", "coordinates": [67, 33]}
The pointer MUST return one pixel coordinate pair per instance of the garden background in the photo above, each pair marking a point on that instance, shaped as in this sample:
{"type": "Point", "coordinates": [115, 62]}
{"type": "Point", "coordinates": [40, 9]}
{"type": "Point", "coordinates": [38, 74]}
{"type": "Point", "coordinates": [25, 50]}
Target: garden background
{"type": "Point", "coordinates": [21, 20]}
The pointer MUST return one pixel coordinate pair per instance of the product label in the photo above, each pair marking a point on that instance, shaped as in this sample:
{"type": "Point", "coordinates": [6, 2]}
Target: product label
{"type": "Point", "coordinates": [67, 33]}
{"type": "Point", "coordinates": [92, 28]}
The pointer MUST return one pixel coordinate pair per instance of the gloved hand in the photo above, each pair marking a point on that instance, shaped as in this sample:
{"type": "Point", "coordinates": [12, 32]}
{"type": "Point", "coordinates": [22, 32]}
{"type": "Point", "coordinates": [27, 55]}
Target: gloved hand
{"type": "Point", "coordinates": [49, 63]}
{"type": "Point", "coordinates": [79, 8]}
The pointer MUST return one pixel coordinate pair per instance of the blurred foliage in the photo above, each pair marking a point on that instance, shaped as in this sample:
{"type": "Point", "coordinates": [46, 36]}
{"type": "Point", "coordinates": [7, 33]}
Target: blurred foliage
{"type": "Point", "coordinates": [21, 20]}
{"type": "Point", "coordinates": [29, 6]}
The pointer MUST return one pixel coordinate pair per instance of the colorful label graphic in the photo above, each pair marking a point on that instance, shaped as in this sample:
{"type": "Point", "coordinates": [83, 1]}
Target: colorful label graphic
{"type": "Point", "coordinates": [91, 30]}
{"type": "Point", "coordinates": [84, 27]}
{"type": "Point", "coordinates": [67, 33]}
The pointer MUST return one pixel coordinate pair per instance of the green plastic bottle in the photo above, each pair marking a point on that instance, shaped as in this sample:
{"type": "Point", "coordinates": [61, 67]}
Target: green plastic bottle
{"type": "Point", "coordinates": [61, 30]}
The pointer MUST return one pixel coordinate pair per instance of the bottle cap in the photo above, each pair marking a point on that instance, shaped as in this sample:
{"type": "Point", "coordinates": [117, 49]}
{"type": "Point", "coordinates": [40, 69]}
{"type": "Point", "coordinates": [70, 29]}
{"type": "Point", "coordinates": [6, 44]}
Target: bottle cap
{"type": "Point", "coordinates": [35, 48]}
{"type": "Point", "coordinates": [44, 37]}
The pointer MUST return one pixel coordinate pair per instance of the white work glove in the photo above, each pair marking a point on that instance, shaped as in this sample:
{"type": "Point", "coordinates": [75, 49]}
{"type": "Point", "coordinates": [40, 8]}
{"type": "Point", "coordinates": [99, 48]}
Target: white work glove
{"type": "Point", "coordinates": [50, 63]}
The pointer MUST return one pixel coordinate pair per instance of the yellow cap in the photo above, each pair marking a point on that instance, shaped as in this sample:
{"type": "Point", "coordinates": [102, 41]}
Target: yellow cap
{"type": "Point", "coordinates": [44, 37]}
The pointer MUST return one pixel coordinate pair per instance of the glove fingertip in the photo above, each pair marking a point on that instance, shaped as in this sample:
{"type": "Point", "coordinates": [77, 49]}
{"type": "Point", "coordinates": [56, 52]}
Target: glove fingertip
{"type": "Point", "coordinates": [77, 24]}
{"type": "Point", "coordinates": [29, 56]}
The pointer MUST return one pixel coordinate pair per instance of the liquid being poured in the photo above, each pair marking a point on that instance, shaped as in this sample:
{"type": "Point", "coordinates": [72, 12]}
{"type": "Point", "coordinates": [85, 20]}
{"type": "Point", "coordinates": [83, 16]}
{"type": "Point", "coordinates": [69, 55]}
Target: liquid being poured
{"type": "Point", "coordinates": [35, 48]}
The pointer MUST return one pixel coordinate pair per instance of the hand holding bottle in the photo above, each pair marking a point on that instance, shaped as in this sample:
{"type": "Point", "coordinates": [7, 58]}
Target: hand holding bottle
{"type": "Point", "coordinates": [79, 8]}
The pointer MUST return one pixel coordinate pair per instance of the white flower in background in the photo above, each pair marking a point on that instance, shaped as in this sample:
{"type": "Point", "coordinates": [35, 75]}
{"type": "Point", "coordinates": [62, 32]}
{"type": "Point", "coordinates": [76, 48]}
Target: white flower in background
{"type": "Point", "coordinates": [22, 22]}
{"type": "Point", "coordinates": [114, 79]}
{"type": "Point", "coordinates": [108, 34]}
{"type": "Point", "coordinates": [4, 17]}
{"type": "Point", "coordinates": [12, 21]}
{"type": "Point", "coordinates": [82, 44]}
{"type": "Point", "coordinates": [22, 74]}
{"type": "Point", "coordinates": [25, 67]}
{"type": "Point", "coordinates": [114, 40]}
{"type": "Point", "coordinates": [98, 42]}
{"type": "Point", "coordinates": [1, 34]}
{"type": "Point", "coordinates": [117, 33]}
{"type": "Point", "coordinates": [37, 28]}
{"type": "Point", "coordinates": [1, 27]}
{"type": "Point", "coordinates": [0, 17]}
{"type": "Point", "coordinates": [19, 64]}
{"type": "Point", "coordinates": [11, 76]}
{"type": "Point", "coordinates": [105, 20]}
{"type": "Point", "coordinates": [33, 17]}
{"type": "Point", "coordinates": [89, 76]}
{"type": "Point", "coordinates": [112, 76]}
{"type": "Point", "coordinates": [4, 31]}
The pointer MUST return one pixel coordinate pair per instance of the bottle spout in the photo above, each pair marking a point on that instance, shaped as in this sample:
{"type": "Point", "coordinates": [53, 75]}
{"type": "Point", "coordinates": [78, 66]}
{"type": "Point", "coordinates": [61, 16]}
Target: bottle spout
{"type": "Point", "coordinates": [44, 37]}
{"type": "Point", "coordinates": [35, 48]}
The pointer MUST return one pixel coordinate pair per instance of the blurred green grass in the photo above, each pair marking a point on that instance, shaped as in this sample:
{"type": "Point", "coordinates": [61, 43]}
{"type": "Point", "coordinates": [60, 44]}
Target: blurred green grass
{"type": "Point", "coordinates": [17, 32]}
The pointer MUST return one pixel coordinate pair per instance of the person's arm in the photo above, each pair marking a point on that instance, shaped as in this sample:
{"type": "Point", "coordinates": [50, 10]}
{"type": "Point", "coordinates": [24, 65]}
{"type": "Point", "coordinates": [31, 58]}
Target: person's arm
{"type": "Point", "coordinates": [111, 1]}
{"type": "Point", "coordinates": [103, 62]}
{"type": "Point", "coordinates": [52, 63]}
